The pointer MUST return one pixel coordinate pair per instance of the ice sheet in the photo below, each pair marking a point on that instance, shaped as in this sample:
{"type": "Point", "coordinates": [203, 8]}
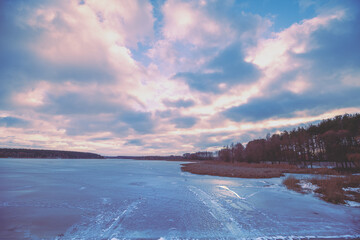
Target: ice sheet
{"type": "Point", "coordinates": [126, 199]}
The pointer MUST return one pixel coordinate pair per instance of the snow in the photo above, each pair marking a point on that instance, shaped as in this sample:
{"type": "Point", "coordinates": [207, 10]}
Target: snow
{"type": "Point", "coordinates": [352, 189]}
{"type": "Point", "coordinates": [308, 186]}
{"type": "Point", "coordinates": [125, 199]}
{"type": "Point", "coordinates": [352, 203]}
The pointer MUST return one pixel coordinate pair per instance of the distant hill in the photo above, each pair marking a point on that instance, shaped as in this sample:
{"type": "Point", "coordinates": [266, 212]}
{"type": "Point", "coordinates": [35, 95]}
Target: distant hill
{"type": "Point", "coordinates": [35, 153]}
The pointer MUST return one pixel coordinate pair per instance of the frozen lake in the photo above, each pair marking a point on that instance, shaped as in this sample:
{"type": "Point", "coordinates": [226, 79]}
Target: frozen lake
{"type": "Point", "coordinates": [126, 199]}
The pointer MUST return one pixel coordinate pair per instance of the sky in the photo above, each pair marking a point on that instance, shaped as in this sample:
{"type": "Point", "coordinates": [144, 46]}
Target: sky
{"type": "Point", "coordinates": [161, 77]}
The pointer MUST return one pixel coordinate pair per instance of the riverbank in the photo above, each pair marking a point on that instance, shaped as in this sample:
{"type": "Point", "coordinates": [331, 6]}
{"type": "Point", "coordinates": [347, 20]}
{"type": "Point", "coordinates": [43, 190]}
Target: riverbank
{"type": "Point", "coordinates": [248, 170]}
{"type": "Point", "coordinates": [335, 187]}
{"type": "Point", "coordinates": [344, 189]}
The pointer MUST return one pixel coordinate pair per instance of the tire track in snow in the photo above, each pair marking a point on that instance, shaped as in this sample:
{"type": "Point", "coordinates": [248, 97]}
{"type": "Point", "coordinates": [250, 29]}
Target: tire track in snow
{"type": "Point", "coordinates": [221, 214]}
{"type": "Point", "coordinates": [115, 225]}
{"type": "Point", "coordinates": [246, 211]}
{"type": "Point", "coordinates": [105, 225]}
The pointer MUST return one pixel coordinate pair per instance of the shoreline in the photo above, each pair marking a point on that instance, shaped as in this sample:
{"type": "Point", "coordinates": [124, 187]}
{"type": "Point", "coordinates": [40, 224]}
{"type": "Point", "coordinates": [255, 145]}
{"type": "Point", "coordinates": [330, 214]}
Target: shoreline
{"type": "Point", "coordinates": [248, 170]}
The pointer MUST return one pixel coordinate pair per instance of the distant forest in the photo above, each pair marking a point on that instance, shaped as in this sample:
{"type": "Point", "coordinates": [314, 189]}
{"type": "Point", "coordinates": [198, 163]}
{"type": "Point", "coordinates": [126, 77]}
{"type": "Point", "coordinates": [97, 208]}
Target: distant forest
{"type": "Point", "coordinates": [34, 153]}
{"type": "Point", "coordinates": [171, 157]}
{"type": "Point", "coordinates": [334, 140]}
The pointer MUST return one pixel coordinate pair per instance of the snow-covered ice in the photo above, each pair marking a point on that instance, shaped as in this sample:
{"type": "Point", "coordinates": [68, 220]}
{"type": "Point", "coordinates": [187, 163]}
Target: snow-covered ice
{"type": "Point", "coordinates": [352, 203]}
{"type": "Point", "coordinates": [126, 199]}
{"type": "Point", "coordinates": [308, 186]}
{"type": "Point", "coordinates": [352, 189]}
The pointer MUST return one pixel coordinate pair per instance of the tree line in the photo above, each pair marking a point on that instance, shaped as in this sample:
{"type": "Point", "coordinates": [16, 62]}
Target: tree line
{"type": "Point", "coordinates": [38, 153]}
{"type": "Point", "coordinates": [334, 140]}
{"type": "Point", "coordinates": [171, 157]}
{"type": "Point", "coordinates": [198, 156]}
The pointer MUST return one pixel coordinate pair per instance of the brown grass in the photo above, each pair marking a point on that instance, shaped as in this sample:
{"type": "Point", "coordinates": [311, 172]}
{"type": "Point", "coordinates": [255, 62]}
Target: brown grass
{"type": "Point", "coordinates": [245, 170]}
{"type": "Point", "coordinates": [331, 188]}
{"type": "Point", "coordinates": [293, 184]}
{"type": "Point", "coordinates": [260, 165]}
{"type": "Point", "coordinates": [248, 170]}
{"type": "Point", "coordinates": [321, 171]}
{"type": "Point", "coordinates": [352, 181]}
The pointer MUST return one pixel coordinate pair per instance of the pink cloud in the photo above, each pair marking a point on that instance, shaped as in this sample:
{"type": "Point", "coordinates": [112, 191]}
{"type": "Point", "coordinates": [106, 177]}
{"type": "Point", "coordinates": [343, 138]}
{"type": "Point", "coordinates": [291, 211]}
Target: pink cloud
{"type": "Point", "coordinates": [190, 22]}
{"type": "Point", "coordinates": [274, 52]}
{"type": "Point", "coordinates": [86, 33]}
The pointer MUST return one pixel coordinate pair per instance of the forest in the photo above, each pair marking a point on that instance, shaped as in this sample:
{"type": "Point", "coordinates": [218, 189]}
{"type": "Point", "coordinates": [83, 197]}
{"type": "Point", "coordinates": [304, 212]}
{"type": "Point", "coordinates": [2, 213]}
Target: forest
{"type": "Point", "coordinates": [171, 157]}
{"type": "Point", "coordinates": [335, 140]}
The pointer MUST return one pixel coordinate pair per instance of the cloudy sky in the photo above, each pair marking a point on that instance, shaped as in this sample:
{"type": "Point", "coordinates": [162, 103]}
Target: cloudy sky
{"type": "Point", "coordinates": [169, 77]}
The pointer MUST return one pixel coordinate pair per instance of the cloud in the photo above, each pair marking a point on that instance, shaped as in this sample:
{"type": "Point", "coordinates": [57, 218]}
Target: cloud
{"type": "Point", "coordinates": [193, 33]}
{"type": "Point", "coordinates": [125, 123]}
{"type": "Point", "coordinates": [13, 122]}
{"type": "Point", "coordinates": [122, 23]}
{"type": "Point", "coordinates": [188, 21]}
{"type": "Point", "coordinates": [274, 55]}
{"type": "Point", "coordinates": [101, 139]}
{"type": "Point", "coordinates": [184, 122]}
{"type": "Point", "coordinates": [337, 48]}
{"type": "Point", "coordinates": [228, 68]}
{"type": "Point", "coordinates": [136, 142]}
{"type": "Point", "coordinates": [286, 105]}
{"type": "Point", "coordinates": [164, 114]}
{"type": "Point", "coordinates": [92, 125]}
{"type": "Point", "coordinates": [185, 103]}
{"type": "Point", "coordinates": [139, 121]}
{"type": "Point", "coordinates": [316, 53]}
{"type": "Point", "coordinates": [77, 103]}
{"type": "Point", "coordinates": [131, 77]}
{"type": "Point", "coordinates": [61, 42]}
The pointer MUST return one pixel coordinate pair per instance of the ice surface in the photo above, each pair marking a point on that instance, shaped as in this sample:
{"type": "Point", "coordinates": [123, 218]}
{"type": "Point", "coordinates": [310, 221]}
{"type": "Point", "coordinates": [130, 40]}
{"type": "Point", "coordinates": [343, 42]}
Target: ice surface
{"type": "Point", "coordinates": [126, 199]}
